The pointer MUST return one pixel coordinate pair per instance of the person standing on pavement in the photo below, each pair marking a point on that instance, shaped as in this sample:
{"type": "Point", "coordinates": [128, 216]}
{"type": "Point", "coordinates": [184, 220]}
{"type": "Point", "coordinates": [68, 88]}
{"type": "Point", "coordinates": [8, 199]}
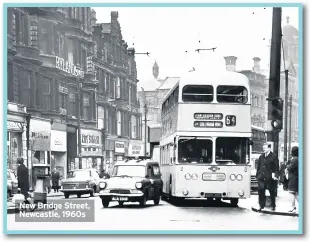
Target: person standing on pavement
{"type": "Point", "coordinates": [292, 169]}
{"type": "Point", "coordinates": [22, 177]}
{"type": "Point", "coordinates": [267, 176]}
{"type": "Point", "coordinates": [55, 180]}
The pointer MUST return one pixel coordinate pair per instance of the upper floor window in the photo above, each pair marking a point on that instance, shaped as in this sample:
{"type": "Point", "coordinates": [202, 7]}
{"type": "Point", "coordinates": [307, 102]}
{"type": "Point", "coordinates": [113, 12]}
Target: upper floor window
{"type": "Point", "coordinates": [119, 123]}
{"type": "Point", "coordinates": [232, 94]}
{"type": "Point", "coordinates": [70, 49]}
{"type": "Point", "coordinates": [101, 117]}
{"type": "Point", "coordinates": [133, 126]}
{"type": "Point", "coordinates": [47, 94]}
{"type": "Point", "coordinates": [86, 105]}
{"type": "Point", "coordinates": [118, 87]}
{"type": "Point", "coordinates": [197, 93]}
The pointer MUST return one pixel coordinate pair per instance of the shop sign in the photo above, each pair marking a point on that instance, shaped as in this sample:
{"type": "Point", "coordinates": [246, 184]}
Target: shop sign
{"type": "Point", "coordinates": [40, 135]}
{"type": "Point", "coordinates": [91, 137]}
{"type": "Point", "coordinates": [135, 150]}
{"type": "Point", "coordinates": [58, 141]}
{"type": "Point", "coordinates": [119, 147]}
{"type": "Point", "coordinates": [68, 67]}
{"type": "Point", "coordinates": [14, 126]}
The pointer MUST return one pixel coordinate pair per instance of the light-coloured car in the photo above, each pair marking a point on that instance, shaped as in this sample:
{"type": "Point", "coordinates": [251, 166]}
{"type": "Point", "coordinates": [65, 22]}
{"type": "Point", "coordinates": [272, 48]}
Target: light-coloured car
{"type": "Point", "coordinates": [81, 181]}
{"type": "Point", "coordinates": [12, 183]}
{"type": "Point", "coordinates": [132, 181]}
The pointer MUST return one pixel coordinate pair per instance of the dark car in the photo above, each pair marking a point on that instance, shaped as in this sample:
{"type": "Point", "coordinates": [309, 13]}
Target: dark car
{"type": "Point", "coordinates": [81, 181]}
{"type": "Point", "coordinates": [132, 181]}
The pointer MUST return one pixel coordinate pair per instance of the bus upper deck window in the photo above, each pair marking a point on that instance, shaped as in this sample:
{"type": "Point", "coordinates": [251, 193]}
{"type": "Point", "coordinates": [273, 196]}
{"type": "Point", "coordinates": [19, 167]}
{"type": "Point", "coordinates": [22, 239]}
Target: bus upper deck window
{"type": "Point", "coordinates": [232, 94]}
{"type": "Point", "coordinates": [197, 93]}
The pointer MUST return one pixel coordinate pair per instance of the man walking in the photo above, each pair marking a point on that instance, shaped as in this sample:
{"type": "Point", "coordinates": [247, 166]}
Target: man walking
{"type": "Point", "coordinates": [267, 173]}
{"type": "Point", "coordinates": [23, 177]}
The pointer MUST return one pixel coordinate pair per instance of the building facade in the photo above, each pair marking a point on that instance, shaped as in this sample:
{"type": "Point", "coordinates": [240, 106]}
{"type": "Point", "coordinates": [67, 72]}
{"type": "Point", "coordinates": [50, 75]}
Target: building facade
{"type": "Point", "coordinates": [151, 95]}
{"type": "Point", "coordinates": [60, 71]}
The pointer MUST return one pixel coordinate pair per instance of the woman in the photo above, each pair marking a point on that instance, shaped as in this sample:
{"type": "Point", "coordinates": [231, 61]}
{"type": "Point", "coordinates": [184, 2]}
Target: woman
{"type": "Point", "coordinates": [292, 169]}
{"type": "Point", "coordinates": [55, 180]}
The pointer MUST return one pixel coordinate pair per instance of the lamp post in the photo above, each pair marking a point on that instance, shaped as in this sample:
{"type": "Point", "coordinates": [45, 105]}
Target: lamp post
{"type": "Point", "coordinates": [145, 120]}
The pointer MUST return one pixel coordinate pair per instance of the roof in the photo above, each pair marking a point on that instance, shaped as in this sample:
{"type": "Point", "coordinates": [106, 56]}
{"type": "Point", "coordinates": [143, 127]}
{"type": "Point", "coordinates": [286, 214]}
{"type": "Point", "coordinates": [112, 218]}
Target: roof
{"type": "Point", "coordinates": [289, 32]}
{"type": "Point", "coordinates": [169, 83]}
{"type": "Point", "coordinates": [203, 76]}
{"type": "Point", "coordinates": [135, 162]}
{"type": "Point", "coordinates": [150, 85]}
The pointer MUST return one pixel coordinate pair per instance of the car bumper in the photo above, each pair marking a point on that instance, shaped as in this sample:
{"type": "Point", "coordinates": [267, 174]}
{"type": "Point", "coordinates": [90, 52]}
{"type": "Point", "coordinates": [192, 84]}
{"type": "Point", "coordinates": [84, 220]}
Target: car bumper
{"type": "Point", "coordinates": [86, 190]}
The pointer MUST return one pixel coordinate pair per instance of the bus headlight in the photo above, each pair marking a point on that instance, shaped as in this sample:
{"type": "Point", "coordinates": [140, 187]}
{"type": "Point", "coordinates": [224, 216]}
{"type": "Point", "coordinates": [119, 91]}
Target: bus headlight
{"type": "Point", "coordinates": [232, 177]}
{"type": "Point", "coordinates": [139, 185]}
{"type": "Point", "coordinates": [239, 177]}
{"type": "Point", "coordinates": [102, 185]}
{"type": "Point", "coordinates": [194, 176]}
{"type": "Point", "coordinates": [241, 193]}
{"type": "Point", "coordinates": [188, 176]}
{"type": "Point", "coordinates": [185, 192]}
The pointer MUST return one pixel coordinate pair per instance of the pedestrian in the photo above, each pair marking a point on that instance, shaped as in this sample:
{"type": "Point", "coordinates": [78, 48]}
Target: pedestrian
{"type": "Point", "coordinates": [292, 169]}
{"type": "Point", "coordinates": [55, 180]}
{"type": "Point", "coordinates": [22, 178]}
{"type": "Point", "coordinates": [267, 176]}
{"type": "Point", "coordinates": [104, 174]}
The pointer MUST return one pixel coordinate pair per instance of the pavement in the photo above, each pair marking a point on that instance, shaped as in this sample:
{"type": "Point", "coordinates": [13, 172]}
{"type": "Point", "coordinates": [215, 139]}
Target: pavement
{"type": "Point", "coordinates": [283, 205]}
{"type": "Point", "coordinates": [11, 206]}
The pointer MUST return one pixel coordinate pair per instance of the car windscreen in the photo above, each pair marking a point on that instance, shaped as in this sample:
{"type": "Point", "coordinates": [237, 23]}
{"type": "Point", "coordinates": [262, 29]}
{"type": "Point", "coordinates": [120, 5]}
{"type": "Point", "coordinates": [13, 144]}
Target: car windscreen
{"type": "Point", "coordinates": [79, 174]}
{"type": "Point", "coordinates": [124, 170]}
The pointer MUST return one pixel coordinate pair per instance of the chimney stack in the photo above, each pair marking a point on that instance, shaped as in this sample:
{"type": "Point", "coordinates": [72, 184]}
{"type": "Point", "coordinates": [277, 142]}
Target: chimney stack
{"type": "Point", "coordinates": [256, 64]}
{"type": "Point", "coordinates": [230, 63]}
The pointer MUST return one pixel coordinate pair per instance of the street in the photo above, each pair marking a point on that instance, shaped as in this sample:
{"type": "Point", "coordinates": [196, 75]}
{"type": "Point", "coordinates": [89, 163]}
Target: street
{"type": "Point", "coordinates": [192, 215]}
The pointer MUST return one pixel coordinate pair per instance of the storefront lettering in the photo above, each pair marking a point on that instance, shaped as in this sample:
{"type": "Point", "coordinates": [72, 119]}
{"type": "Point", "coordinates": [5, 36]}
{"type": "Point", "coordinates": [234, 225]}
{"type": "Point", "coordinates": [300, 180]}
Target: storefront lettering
{"type": "Point", "coordinates": [39, 135]}
{"type": "Point", "coordinates": [68, 67]}
{"type": "Point", "coordinates": [120, 145]}
{"type": "Point", "coordinates": [14, 125]}
{"type": "Point", "coordinates": [90, 139]}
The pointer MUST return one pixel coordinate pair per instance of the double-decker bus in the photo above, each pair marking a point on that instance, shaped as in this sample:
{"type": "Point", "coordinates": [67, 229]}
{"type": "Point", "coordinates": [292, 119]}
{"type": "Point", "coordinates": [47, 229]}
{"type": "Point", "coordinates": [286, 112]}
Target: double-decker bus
{"type": "Point", "coordinates": [205, 137]}
{"type": "Point", "coordinates": [259, 138]}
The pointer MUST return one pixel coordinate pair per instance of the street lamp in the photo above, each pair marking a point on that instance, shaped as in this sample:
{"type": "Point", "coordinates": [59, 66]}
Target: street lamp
{"type": "Point", "coordinates": [145, 120]}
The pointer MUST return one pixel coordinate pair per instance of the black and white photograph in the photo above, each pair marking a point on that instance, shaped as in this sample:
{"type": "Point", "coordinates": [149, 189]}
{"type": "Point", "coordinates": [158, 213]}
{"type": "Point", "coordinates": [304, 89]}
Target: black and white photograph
{"type": "Point", "coordinates": [153, 119]}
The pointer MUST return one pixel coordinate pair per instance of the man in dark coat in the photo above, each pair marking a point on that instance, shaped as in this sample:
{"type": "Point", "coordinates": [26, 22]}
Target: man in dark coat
{"type": "Point", "coordinates": [267, 176]}
{"type": "Point", "coordinates": [55, 180]}
{"type": "Point", "coordinates": [23, 177]}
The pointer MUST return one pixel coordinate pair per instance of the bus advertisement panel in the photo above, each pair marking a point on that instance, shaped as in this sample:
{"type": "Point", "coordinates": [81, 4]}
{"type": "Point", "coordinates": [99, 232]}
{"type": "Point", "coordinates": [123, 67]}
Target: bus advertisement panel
{"type": "Point", "coordinates": [205, 141]}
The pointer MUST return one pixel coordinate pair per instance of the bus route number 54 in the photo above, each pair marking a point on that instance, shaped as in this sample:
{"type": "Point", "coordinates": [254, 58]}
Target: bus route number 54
{"type": "Point", "coordinates": [230, 120]}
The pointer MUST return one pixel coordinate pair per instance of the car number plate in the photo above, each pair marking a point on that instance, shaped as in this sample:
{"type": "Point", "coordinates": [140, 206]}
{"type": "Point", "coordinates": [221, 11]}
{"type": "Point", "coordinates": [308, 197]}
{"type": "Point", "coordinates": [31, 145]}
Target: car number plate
{"type": "Point", "coordinates": [119, 198]}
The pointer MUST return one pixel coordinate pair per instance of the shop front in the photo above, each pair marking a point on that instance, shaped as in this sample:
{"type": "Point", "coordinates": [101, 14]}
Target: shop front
{"type": "Point", "coordinates": [121, 150]}
{"type": "Point", "coordinates": [16, 135]}
{"type": "Point", "coordinates": [59, 149]}
{"type": "Point", "coordinates": [39, 143]}
{"type": "Point", "coordinates": [91, 148]}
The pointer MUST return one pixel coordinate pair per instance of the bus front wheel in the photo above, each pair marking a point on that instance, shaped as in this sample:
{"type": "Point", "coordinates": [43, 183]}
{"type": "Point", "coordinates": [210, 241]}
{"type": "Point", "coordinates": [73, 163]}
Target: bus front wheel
{"type": "Point", "coordinates": [234, 202]}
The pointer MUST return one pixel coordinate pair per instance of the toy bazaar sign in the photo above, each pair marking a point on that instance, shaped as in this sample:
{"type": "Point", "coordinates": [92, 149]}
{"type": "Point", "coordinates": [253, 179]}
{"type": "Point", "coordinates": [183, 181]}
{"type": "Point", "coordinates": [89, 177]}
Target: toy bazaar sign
{"type": "Point", "coordinates": [68, 67]}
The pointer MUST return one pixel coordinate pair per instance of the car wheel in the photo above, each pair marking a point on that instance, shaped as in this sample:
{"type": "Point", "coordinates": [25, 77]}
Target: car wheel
{"type": "Point", "coordinates": [234, 202]}
{"type": "Point", "coordinates": [105, 203]}
{"type": "Point", "coordinates": [67, 195]}
{"type": "Point", "coordinates": [92, 192]}
{"type": "Point", "coordinates": [79, 195]}
{"type": "Point", "coordinates": [143, 200]}
{"type": "Point", "coordinates": [157, 200]}
{"type": "Point", "coordinates": [121, 204]}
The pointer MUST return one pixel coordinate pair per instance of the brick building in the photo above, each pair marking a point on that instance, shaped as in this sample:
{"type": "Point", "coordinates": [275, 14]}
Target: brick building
{"type": "Point", "coordinates": [56, 58]}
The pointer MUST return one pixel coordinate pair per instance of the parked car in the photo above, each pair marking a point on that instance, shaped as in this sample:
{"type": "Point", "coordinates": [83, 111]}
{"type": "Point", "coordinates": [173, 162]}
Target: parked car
{"type": "Point", "coordinates": [81, 181]}
{"type": "Point", "coordinates": [12, 183]}
{"type": "Point", "coordinates": [134, 180]}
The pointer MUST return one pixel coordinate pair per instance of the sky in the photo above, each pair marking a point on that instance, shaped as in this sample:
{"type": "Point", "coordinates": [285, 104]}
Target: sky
{"type": "Point", "coordinates": [167, 33]}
